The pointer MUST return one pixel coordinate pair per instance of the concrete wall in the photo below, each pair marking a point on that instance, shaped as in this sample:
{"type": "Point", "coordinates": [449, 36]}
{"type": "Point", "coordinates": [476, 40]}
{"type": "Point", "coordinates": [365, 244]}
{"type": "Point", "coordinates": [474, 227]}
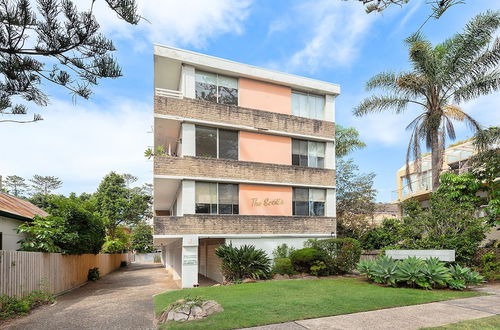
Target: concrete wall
{"type": "Point", "coordinates": [269, 244]}
{"type": "Point", "coordinates": [264, 96]}
{"type": "Point", "coordinates": [265, 148]}
{"type": "Point", "coordinates": [8, 228]}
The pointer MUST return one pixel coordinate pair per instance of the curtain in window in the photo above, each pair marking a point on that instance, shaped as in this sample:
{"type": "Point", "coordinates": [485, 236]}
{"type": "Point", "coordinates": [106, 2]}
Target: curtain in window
{"type": "Point", "coordinates": [228, 198]}
{"type": "Point", "coordinates": [206, 197]}
{"type": "Point", "coordinates": [317, 201]}
{"type": "Point", "coordinates": [300, 203]}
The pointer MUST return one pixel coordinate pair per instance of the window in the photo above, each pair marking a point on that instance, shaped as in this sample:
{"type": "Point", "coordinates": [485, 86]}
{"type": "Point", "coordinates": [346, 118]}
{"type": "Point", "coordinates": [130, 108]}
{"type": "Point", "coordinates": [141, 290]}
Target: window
{"type": "Point", "coordinates": [216, 198]}
{"type": "Point", "coordinates": [309, 202]}
{"type": "Point", "coordinates": [308, 153]}
{"type": "Point", "coordinates": [216, 143]}
{"type": "Point", "coordinates": [308, 105]}
{"type": "Point", "coordinates": [216, 88]}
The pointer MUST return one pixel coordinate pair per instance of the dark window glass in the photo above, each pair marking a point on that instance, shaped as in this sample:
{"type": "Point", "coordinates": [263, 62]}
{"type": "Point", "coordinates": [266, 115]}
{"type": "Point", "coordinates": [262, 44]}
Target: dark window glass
{"type": "Point", "coordinates": [202, 208]}
{"type": "Point", "coordinates": [206, 86]}
{"type": "Point", "coordinates": [300, 201]}
{"type": "Point", "coordinates": [228, 198]}
{"type": "Point", "coordinates": [228, 144]}
{"type": "Point", "coordinates": [318, 208]}
{"type": "Point", "coordinates": [206, 141]}
{"type": "Point", "coordinates": [228, 95]}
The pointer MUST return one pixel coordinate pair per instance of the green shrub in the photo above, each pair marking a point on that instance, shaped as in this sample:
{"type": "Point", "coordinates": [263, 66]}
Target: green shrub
{"type": "Point", "coordinates": [283, 251]}
{"type": "Point", "coordinates": [384, 271]}
{"type": "Point", "coordinates": [157, 259]}
{"type": "Point", "coordinates": [15, 306]}
{"type": "Point", "coordinates": [342, 254]}
{"type": "Point", "coordinates": [410, 271]}
{"type": "Point", "coordinates": [490, 267]}
{"type": "Point", "coordinates": [389, 233]}
{"type": "Point", "coordinates": [318, 268]}
{"type": "Point", "coordinates": [283, 266]}
{"type": "Point", "coordinates": [239, 263]}
{"type": "Point", "coordinates": [303, 259]}
{"type": "Point", "coordinates": [94, 274]}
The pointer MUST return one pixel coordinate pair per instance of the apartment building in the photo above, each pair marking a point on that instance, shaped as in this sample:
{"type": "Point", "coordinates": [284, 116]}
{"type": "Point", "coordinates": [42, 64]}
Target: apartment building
{"type": "Point", "coordinates": [249, 158]}
{"type": "Point", "coordinates": [455, 160]}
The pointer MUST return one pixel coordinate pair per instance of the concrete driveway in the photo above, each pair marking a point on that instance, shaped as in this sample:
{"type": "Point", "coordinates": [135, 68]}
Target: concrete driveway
{"type": "Point", "coordinates": [120, 300]}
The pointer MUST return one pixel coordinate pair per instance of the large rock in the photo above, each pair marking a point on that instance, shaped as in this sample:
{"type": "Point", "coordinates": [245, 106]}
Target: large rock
{"type": "Point", "coordinates": [183, 310]}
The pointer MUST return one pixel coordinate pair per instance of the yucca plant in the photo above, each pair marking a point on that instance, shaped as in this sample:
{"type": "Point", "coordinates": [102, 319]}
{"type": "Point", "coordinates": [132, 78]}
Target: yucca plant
{"type": "Point", "coordinates": [365, 267]}
{"type": "Point", "coordinates": [409, 271]}
{"type": "Point", "coordinates": [239, 263]}
{"type": "Point", "coordinates": [436, 273]}
{"type": "Point", "coordinates": [384, 270]}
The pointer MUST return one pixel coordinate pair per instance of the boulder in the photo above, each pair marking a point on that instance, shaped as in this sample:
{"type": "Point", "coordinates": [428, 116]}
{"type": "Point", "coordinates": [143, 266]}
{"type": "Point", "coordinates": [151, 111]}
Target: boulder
{"type": "Point", "coordinates": [183, 310]}
{"type": "Point", "coordinates": [249, 280]}
{"type": "Point", "coordinates": [281, 277]}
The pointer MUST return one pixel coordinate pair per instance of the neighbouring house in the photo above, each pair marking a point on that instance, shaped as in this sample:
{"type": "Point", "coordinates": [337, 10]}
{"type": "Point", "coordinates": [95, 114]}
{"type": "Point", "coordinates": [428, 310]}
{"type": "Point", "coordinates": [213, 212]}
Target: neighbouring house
{"type": "Point", "coordinates": [13, 212]}
{"type": "Point", "coordinates": [385, 211]}
{"type": "Point", "coordinates": [249, 158]}
{"type": "Point", "coordinates": [456, 159]}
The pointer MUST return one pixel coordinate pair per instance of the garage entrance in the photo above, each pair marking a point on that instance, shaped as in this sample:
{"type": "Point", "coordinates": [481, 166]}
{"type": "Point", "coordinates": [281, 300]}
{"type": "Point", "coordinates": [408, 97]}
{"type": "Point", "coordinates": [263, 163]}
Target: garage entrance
{"type": "Point", "coordinates": [209, 263]}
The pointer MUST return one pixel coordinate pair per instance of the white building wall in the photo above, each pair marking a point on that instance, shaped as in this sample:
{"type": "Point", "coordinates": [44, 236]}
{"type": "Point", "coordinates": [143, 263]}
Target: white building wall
{"type": "Point", "coordinates": [331, 203]}
{"type": "Point", "coordinates": [188, 197]}
{"type": "Point", "coordinates": [189, 261]}
{"type": "Point", "coordinates": [268, 244]}
{"type": "Point", "coordinates": [8, 228]}
{"type": "Point", "coordinates": [330, 155]}
{"type": "Point", "coordinates": [188, 139]}
{"type": "Point", "coordinates": [330, 108]}
{"type": "Point", "coordinates": [188, 81]}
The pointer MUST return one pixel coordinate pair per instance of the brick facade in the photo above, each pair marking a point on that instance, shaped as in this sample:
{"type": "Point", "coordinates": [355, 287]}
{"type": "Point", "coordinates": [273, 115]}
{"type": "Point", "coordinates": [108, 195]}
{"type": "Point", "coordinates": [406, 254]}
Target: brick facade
{"type": "Point", "coordinates": [242, 224]}
{"type": "Point", "coordinates": [229, 114]}
{"type": "Point", "coordinates": [239, 170]}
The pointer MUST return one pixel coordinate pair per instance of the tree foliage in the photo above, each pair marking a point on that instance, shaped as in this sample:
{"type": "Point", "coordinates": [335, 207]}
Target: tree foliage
{"type": "Point", "coordinates": [71, 228]}
{"type": "Point", "coordinates": [355, 199]}
{"type": "Point", "coordinates": [52, 41]}
{"type": "Point", "coordinates": [142, 238]}
{"type": "Point", "coordinates": [121, 205]}
{"type": "Point", "coordinates": [346, 140]}
{"type": "Point", "coordinates": [16, 185]}
{"type": "Point", "coordinates": [457, 70]}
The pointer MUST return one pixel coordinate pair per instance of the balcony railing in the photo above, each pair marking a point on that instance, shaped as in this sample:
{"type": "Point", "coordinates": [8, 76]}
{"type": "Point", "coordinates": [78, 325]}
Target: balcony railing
{"type": "Point", "coordinates": [168, 93]}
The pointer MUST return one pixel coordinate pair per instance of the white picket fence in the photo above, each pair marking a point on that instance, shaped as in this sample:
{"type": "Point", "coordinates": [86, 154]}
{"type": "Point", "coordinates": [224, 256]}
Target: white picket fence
{"type": "Point", "coordinates": [22, 272]}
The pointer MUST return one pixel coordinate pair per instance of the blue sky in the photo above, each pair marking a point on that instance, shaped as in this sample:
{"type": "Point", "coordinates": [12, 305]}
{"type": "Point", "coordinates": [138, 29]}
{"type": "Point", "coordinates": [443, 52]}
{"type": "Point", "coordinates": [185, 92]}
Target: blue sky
{"type": "Point", "coordinates": [80, 141]}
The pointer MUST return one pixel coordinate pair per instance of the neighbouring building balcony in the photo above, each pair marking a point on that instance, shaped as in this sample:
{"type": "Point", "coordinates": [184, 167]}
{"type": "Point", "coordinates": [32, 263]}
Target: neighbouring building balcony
{"type": "Point", "coordinates": [199, 111]}
{"type": "Point", "coordinates": [241, 171]}
{"type": "Point", "coordinates": [203, 224]}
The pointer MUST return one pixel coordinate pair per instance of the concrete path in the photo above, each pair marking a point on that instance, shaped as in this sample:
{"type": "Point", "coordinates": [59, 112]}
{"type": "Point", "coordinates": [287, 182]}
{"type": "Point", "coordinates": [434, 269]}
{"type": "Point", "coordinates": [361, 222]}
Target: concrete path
{"type": "Point", "coordinates": [409, 317]}
{"type": "Point", "coordinates": [120, 300]}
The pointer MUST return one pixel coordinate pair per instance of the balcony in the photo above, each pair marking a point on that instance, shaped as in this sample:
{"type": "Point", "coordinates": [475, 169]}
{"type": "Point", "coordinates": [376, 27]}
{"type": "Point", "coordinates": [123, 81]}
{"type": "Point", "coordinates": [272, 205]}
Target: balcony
{"type": "Point", "coordinates": [196, 224]}
{"type": "Point", "coordinates": [240, 171]}
{"type": "Point", "coordinates": [198, 111]}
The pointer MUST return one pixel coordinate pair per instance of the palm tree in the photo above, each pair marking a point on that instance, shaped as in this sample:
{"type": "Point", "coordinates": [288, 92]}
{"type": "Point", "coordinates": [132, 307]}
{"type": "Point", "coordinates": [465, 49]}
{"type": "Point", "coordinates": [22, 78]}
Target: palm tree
{"type": "Point", "coordinates": [460, 69]}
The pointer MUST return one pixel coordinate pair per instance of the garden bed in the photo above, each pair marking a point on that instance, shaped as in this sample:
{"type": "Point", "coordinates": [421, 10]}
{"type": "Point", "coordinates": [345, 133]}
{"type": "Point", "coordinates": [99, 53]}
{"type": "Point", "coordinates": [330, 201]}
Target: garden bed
{"type": "Point", "coordinates": [260, 303]}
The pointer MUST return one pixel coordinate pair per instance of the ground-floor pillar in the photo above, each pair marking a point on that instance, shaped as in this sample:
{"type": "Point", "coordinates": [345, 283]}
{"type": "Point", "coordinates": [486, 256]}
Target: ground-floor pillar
{"type": "Point", "coordinates": [189, 261]}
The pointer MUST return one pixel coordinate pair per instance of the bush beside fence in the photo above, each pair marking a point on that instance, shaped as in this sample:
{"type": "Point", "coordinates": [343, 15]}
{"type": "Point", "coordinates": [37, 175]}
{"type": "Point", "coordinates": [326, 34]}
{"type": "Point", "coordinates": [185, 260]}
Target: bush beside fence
{"type": "Point", "coordinates": [22, 272]}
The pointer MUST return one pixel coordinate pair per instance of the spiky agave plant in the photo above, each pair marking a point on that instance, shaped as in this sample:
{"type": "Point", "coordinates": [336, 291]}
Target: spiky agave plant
{"type": "Point", "coordinates": [238, 263]}
{"type": "Point", "coordinates": [457, 70]}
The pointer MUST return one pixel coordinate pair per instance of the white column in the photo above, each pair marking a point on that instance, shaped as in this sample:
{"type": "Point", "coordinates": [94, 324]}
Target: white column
{"type": "Point", "coordinates": [330, 108]}
{"type": "Point", "coordinates": [188, 79]}
{"type": "Point", "coordinates": [331, 203]}
{"type": "Point", "coordinates": [188, 197]}
{"type": "Point", "coordinates": [189, 261]}
{"type": "Point", "coordinates": [188, 139]}
{"type": "Point", "coordinates": [330, 155]}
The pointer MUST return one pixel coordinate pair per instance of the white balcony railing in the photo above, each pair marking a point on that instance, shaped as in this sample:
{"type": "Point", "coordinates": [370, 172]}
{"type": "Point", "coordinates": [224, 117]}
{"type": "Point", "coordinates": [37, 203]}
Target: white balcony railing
{"type": "Point", "coordinates": [168, 93]}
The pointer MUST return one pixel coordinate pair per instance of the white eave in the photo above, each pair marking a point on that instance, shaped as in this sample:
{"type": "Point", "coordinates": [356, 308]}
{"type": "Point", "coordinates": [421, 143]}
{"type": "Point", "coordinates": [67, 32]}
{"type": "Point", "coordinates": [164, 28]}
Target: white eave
{"type": "Point", "coordinates": [224, 66]}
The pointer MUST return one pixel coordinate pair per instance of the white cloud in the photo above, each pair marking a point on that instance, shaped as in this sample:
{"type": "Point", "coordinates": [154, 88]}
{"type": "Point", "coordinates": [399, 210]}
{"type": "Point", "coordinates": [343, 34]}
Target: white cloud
{"type": "Point", "coordinates": [80, 143]}
{"type": "Point", "coordinates": [333, 30]}
{"type": "Point", "coordinates": [180, 23]}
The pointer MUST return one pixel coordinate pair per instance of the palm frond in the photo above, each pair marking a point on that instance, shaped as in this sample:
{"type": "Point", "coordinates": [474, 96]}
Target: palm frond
{"type": "Point", "coordinates": [377, 104]}
{"type": "Point", "coordinates": [483, 85]}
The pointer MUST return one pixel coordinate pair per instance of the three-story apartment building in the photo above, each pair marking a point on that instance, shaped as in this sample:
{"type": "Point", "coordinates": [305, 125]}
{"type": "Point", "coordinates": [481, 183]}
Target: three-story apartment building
{"type": "Point", "coordinates": [249, 159]}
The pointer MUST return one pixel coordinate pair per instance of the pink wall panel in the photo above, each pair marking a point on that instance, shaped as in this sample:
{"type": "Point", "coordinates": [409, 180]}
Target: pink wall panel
{"type": "Point", "coordinates": [265, 148]}
{"type": "Point", "coordinates": [264, 96]}
{"type": "Point", "coordinates": [265, 200]}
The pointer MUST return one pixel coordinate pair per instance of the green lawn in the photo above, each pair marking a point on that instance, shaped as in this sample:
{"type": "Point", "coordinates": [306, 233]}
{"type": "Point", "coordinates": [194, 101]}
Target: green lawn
{"type": "Point", "coordinates": [261, 303]}
{"type": "Point", "coordinates": [492, 322]}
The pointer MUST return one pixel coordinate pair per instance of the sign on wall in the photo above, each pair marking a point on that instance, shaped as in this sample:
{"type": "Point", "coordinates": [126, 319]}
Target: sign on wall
{"type": "Point", "coordinates": [190, 259]}
{"type": "Point", "coordinates": [266, 202]}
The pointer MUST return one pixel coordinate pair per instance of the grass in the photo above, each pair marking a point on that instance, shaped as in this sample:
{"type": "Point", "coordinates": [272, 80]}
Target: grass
{"type": "Point", "coordinates": [261, 303]}
{"type": "Point", "coordinates": [492, 322]}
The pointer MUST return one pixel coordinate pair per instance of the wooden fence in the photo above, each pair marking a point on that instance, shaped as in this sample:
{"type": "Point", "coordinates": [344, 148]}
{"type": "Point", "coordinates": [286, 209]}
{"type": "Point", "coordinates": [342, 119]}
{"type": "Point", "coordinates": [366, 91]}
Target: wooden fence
{"type": "Point", "coordinates": [22, 272]}
{"type": "Point", "coordinates": [370, 254]}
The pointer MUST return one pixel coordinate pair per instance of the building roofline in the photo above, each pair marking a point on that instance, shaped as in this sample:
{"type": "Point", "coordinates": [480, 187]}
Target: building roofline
{"type": "Point", "coordinates": [245, 70]}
